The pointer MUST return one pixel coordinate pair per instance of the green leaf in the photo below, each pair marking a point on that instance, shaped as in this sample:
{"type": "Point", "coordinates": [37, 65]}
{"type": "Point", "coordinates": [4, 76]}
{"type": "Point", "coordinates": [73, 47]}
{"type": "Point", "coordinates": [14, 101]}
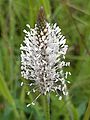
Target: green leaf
{"type": "Point", "coordinates": [6, 94]}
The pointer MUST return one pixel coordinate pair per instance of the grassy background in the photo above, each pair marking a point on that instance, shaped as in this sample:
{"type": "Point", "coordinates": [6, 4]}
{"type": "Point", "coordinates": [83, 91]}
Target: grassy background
{"type": "Point", "coordinates": [73, 17]}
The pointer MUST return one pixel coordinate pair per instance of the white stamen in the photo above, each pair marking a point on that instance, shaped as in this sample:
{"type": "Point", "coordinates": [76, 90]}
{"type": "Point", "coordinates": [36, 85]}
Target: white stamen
{"type": "Point", "coordinates": [21, 83]}
{"type": "Point", "coordinates": [60, 97]}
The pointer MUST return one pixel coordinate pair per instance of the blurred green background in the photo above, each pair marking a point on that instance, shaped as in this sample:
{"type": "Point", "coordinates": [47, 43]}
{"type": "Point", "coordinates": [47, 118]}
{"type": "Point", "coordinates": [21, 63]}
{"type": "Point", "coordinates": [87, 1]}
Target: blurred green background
{"type": "Point", "coordinates": [73, 17]}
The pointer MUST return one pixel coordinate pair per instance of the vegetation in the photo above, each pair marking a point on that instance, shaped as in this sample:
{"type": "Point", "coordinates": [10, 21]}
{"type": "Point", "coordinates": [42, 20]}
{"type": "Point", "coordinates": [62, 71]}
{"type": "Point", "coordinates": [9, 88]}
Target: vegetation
{"type": "Point", "coordinates": [73, 17]}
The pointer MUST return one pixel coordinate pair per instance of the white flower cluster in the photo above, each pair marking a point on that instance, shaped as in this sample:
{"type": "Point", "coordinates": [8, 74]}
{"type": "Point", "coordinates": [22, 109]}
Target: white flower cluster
{"type": "Point", "coordinates": [43, 59]}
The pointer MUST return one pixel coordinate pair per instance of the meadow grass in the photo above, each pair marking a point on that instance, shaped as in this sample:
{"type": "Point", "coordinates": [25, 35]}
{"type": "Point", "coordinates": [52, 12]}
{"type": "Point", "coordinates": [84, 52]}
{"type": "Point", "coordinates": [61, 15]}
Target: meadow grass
{"type": "Point", "coordinates": [73, 17]}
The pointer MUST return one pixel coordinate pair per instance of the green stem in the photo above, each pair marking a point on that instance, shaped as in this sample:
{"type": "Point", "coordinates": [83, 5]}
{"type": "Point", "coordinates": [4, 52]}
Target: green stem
{"type": "Point", "coordinates": [47, 106]}
{"type": "Point", "coordinates": [87, 113]}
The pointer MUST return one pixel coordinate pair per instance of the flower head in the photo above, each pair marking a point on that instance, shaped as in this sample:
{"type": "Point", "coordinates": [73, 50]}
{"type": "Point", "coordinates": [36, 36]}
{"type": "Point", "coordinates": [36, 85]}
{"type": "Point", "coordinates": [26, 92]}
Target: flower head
{"type": "Point", "coordinates": [43, 58]}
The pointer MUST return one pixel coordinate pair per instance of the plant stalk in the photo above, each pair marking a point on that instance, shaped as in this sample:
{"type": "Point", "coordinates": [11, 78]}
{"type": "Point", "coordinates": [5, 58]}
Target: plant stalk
{"type": "Point", "coordinates": [47, 106]}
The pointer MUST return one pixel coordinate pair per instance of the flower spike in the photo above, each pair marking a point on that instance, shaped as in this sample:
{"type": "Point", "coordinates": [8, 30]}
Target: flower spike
{"type": "Point", "coordinates": [43, 58]}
